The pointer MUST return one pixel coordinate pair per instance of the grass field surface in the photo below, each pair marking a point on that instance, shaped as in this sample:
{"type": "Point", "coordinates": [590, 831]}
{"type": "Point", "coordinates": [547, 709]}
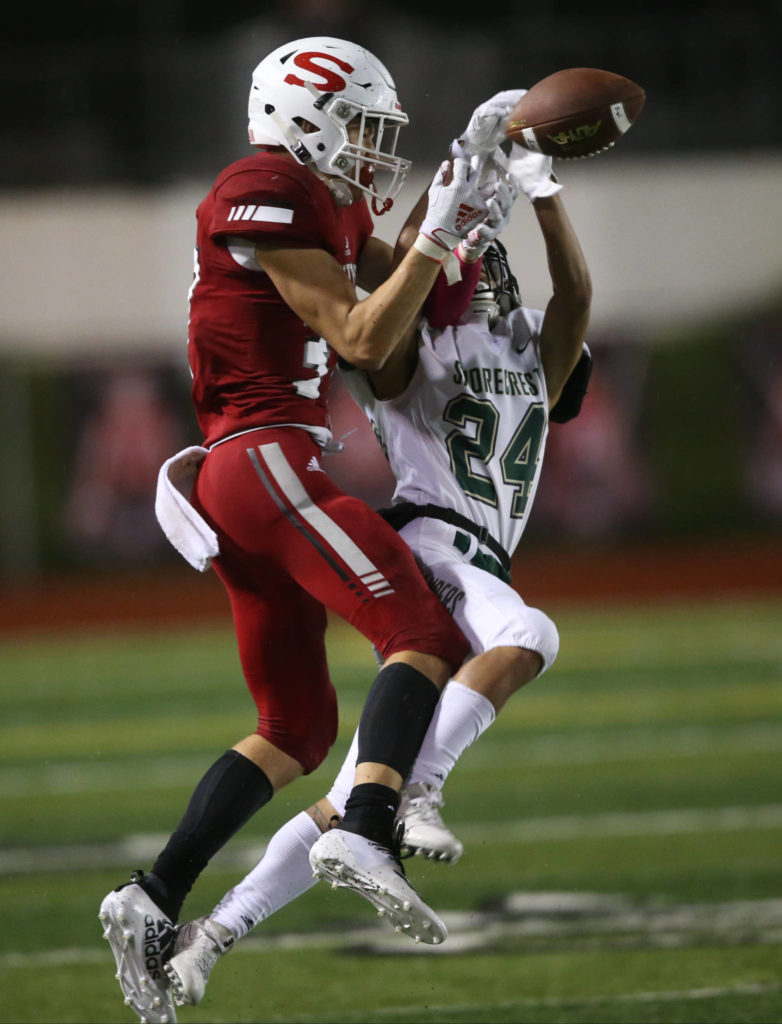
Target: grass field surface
{"type": "Point", "coordinates": [622, 821]}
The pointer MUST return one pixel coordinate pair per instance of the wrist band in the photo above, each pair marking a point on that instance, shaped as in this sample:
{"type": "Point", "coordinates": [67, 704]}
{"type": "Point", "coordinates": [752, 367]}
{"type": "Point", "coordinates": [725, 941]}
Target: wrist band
{"type": "Point", "coordinates": [470, 254]}
{"type": "Point", "coordinates": [429, 248]}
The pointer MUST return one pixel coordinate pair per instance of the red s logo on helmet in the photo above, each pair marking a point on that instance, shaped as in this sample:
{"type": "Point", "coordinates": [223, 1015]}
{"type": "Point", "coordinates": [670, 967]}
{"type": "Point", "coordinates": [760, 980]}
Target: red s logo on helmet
{"type": "Point", "coordinates": [331, 81]}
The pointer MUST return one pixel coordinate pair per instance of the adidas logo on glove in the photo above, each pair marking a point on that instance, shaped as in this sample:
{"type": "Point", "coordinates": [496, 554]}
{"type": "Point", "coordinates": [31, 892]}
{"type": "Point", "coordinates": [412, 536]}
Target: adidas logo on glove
{"type": "Point", "coordinates": [464, 215]}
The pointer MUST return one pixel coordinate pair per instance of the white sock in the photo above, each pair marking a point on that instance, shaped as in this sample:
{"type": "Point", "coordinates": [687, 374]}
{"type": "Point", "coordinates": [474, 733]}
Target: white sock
{"type": "Point", "coordinates": [459, 719]}
{"type": "Point", "coordinates": [282, 874]}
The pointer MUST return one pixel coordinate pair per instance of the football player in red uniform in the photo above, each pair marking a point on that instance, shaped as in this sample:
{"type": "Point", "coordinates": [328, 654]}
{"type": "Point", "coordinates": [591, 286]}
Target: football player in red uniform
{"type": "Point", "coordinates": [283, 238]}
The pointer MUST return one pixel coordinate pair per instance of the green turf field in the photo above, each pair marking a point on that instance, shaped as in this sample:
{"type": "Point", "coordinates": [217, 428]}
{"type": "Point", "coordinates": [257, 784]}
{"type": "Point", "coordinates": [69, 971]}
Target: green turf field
{"type": "Point", "coordinates": [622, 818]}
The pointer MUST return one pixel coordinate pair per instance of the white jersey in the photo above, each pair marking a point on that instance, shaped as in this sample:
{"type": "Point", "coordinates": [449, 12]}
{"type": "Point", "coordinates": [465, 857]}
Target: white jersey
{"type": "Point", "coordinates": [468, 432]}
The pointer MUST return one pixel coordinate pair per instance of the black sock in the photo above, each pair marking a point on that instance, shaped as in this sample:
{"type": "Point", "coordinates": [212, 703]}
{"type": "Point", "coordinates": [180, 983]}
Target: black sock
{"type": "Point", "coordinates": [370, 810]}
{"type": "Point", "coordinates": [394, 721]}
{"type": "Point", "coordinates": [226, 798]}
{"type": "Point", "coordinates": [396, 715]}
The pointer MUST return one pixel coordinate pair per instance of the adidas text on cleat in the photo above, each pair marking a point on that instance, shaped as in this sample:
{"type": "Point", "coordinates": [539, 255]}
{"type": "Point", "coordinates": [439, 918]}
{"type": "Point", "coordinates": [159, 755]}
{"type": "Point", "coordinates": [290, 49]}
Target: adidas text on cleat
{"type": "Point", "coordinates": [139, 934]}
{"type": "Point", "coordinates": [349, 861]}
{"type": "Point", "coordinates": [425, 832]}
{"type": "Point", "coordinates": [198, 946]}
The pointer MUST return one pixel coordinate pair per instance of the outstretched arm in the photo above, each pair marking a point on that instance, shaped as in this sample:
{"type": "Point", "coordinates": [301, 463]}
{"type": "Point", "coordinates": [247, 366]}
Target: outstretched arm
{"type": "Point", "coordinates": [365, 332]}
{"type": "Point", "coordinates": [451, 293]}
{"type": "Point", "coordinates": [567, 313]}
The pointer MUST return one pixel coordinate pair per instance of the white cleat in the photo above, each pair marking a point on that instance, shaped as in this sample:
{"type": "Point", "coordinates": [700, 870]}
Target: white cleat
{"type": "Point", "coordinates": [425, 832]}
{"type": "Point", "coordinates": [349, 861]}
{"type": "Point", "coordinates": [139, 934]}
{"type": "Point", "coordinates": [198, 946]}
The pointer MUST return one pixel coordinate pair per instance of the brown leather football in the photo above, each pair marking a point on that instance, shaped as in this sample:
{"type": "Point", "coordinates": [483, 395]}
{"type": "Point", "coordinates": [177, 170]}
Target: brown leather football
{"type": "Point", "coordinates": [575, 113]}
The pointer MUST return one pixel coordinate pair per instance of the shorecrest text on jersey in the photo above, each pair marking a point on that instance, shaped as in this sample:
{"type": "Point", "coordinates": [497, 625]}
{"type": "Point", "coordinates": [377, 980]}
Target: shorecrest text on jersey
{"type": "Point", "coordinates": [497, 380]}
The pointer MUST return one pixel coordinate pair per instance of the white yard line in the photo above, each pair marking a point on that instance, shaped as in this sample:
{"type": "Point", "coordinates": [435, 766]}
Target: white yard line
{"type": "Point", "coordinates": [585, 921]}
{"type": "Point", "coordinates": [679, 821]}
{"type": "Point", "coordinates": [589, 921]}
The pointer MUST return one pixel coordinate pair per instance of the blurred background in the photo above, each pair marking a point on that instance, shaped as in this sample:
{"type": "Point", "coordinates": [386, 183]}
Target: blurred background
{"type": "Point", "coordinates": [119, 113]}
{"type": "Point", "coordinates": [622, 820]}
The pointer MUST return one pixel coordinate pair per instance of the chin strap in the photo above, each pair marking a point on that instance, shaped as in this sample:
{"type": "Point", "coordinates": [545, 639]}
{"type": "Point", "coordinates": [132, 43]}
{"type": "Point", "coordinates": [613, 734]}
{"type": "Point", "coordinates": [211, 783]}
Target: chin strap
{"type": "Point", "coordinates": [387, 204]}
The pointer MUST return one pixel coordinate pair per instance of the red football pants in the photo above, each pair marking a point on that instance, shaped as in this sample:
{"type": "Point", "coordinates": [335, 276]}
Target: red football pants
{"type": "Point", "coordinates": [291, 545]}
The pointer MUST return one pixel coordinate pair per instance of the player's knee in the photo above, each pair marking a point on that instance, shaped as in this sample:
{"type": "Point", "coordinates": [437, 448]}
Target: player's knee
{"type": "Point", "coordinates": [542, 637]}
{"type": "Point", "coordinates": [432, 641]}
{"type": "Point", "coordinates": [308, 740]}
{"type": "Point", "coordinates": [315, 752]}
{"type": "Point", "coordinates": [519, 666]}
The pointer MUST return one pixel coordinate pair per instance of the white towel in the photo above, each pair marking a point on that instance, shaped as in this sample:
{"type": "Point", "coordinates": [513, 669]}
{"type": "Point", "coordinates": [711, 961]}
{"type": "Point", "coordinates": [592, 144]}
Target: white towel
{"type": "Point", "coordinates": [193, 538]}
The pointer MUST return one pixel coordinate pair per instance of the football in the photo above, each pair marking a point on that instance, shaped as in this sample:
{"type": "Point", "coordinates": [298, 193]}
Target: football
{"type": "Point", "coordinates": [574, 113]}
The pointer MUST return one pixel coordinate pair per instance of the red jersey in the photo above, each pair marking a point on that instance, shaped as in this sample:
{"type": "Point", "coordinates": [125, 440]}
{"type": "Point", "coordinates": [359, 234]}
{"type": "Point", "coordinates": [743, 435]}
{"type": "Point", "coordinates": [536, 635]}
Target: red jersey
{"type": "Point", "coordinates": [254, 362]}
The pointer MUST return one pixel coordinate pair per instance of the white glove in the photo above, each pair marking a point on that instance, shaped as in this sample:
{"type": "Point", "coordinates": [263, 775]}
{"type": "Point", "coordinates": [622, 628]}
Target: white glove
{"type": "Point", "coordinates": [532, 173]}
{"type": "Point", "coordinates": [486, 129]}
{"type": "Point", "coordinates": [500, 196]}
{"type": "Point", "coordinates": [454, 209]}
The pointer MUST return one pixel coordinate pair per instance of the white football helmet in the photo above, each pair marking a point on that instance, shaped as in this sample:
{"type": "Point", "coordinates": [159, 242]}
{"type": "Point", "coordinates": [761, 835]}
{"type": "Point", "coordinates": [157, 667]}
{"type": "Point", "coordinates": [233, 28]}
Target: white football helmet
{"type": "Point", "coordinates": [331, 84]}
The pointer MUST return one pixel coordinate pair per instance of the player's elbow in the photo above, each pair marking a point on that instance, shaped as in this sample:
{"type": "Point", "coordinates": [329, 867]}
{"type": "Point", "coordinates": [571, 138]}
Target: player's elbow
{"type": "Point", "coordinates": [584, 286]}
{"type": "Point", "coordinates": [372, 352]}
{"type": "Point", "coordinates": [584, 295]}
{"type": "Point", "coordinates": [574, 304]}
{"type": "Point", "coordinates": [364, 356]}
{"type": "Point", "coordinates": [578, 295]}
{"type": "Point", "coordinates": [368, 362]}
{"type": "Point", "coordinates": [371, 346]}
{"type": "Point", "coordinates": [571, 310]}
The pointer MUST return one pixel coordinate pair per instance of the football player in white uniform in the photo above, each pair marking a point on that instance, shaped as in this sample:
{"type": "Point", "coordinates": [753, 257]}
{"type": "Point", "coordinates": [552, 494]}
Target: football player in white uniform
{"type": "Point", "coordinates": [462, 412]}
